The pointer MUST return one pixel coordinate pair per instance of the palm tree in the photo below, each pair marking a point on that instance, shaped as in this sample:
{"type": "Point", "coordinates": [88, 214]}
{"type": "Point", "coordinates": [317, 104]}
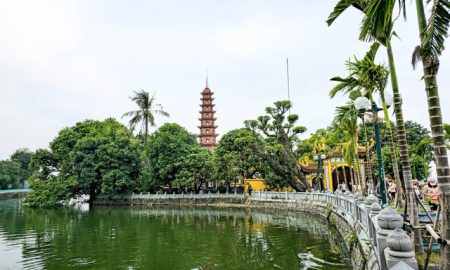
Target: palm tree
{"type": "Point", "coordinates": [368, 77]}
{"type": "Point", "coordinates": [346, 120]}
{"type": "Point", "coordinates": [377, 25]}
{"type": "Point", "coordinates": [432, 38]}
{"type": "Point", "coordinates": [148, 108]}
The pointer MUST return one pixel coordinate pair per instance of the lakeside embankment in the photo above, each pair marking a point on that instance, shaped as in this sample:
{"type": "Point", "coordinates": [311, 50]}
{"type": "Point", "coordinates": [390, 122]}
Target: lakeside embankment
{"type": "Point", "coordinates": [13, 193]}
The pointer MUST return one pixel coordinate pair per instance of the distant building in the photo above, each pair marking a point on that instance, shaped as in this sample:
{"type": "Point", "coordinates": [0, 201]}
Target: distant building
{"type": "Point", "coordinates": [208, 136]}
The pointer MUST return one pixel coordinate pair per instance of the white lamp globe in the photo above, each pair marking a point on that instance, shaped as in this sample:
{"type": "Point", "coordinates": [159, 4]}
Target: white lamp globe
{"type": "Point", "coordinates": [361, 103]}
{"type": "Point", "coordinates": [316, 157]}
{"type": "Point", "coordinates": [388, 99]}
{"type": "Point", "coordinates": [323, 156]}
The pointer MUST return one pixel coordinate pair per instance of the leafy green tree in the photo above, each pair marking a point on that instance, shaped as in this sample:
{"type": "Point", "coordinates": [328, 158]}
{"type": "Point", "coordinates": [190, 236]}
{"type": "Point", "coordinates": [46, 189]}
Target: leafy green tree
{"type": "Point", "coordinates": [145, 115]}
{"type": "Point", "coordinates": [42, 165]}
{"type": "Point", "coordinates": [10, 172]}
{"type": "Point", "coordinates": [195, 169]}
{"type": "Point", "coordinates": [23, 157]}
{"type": "Point", "coordinates": [100, 156]}
{"type": "Point", "coordinates": [281, 135]}
{"type": "Point", "coordinates": [235, 158]}
{"type": "Point", "coordinates": [51, 192]}
{"type": "Point", "coordinates": [163, 155]}
{"type": "Point", "coordinates": [368, 78]}
{"type": "Point", "coordinates": [105, 161]}
{"type": "Point", "coordinates": [346, 121]}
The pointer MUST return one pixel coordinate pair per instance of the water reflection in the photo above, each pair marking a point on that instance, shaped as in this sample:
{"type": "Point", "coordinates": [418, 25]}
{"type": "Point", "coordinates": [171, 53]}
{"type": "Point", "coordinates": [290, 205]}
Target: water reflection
{"type": "Point", "coordinates": [163, 238]}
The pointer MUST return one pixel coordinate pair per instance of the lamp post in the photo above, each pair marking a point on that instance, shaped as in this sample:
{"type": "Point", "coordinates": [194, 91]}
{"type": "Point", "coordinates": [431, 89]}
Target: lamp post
{"type": "Point", "coordinates": [362, 104]}
{"type": "Point", "coordinates": [319, 172]}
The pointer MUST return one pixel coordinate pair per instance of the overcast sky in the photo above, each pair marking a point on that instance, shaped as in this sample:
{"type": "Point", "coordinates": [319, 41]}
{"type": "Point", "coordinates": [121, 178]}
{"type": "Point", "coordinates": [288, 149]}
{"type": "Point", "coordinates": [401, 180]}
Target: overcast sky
{"type": "Point", "coordinates": [66, 61]}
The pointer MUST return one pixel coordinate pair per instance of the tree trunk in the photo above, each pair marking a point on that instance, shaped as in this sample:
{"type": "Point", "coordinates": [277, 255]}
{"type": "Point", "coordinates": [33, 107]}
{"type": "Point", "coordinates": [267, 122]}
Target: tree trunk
{"type": "Point", "coordinates": [352, 178]}
{"type": "Point", "coordinates": [437, 134]}
{"type": "Point", "coordinates": [368, 167]}
{"type": "Point", "coordinates": [345, 176]}
{"type": "Point", "coordinates": [145, 131]}
{"type": "Point", "coordinates": [404, 153]}
{"type": "Point", "coordinates": [398, 184]}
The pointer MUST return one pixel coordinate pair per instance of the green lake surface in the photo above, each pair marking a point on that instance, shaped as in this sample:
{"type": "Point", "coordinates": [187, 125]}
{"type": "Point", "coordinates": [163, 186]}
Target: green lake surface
{"type": "Point", "coordinates": [165, 238]}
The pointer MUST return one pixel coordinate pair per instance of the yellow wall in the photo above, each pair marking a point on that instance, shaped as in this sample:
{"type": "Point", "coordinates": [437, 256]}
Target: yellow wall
{"type": "Point", "coordinates": [259, 184]}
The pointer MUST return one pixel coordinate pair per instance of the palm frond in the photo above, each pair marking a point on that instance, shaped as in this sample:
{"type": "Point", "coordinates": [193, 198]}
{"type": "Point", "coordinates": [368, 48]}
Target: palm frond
{"type": "Point", "coordinates": [433, 38]}
{"type": "Point", "coordinates": [377, 24]}
{"type": "Point", "coordinates": [370, 55]}
{"type": "Point", "coordinates": [131, 114]}
{"type": "Point", "coordinates": [340, 7]}
{"type": "Point", "coordinates": [344, 86]}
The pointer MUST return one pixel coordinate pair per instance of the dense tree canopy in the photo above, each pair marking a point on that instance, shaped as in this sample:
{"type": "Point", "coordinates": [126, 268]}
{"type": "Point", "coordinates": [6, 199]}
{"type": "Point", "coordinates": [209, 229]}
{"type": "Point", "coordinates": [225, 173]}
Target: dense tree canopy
{"type": "Point", "coordinates": [280, 132]}
{"type": "Point", "coordinates": [92, 157]}
{"type": "Point", "coordinates": [164, 155]}
{"type": "Point", "coordinates": [23, 157]}
{"type": "Point", "coordinates": [195, 169]}
{"type": "Point", "coordinates": [236, 158]}
{"type": "Point", "coordinates": [10, 172]}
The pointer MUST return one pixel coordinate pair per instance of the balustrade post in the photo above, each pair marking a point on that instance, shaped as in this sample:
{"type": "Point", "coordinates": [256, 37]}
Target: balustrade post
{"type": "Point", "coordinates": [400, 253]}
{"type": "Point", "coordinates": [286, 194]}
{"type": "Point", "coordinates": [165, 194]}
{"type": "Point", "coordinates": [388, 220]}
{"type": "Point", "coordinates": [265, 194]}
{"type": "Point", "coordinates": [173, 195]}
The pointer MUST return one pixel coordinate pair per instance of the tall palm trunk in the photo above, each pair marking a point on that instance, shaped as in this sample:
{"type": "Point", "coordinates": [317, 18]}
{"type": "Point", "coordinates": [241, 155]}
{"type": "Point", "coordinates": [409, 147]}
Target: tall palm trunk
{"type": "Point", "coordinates": [404, 153]}
{"type": "Point", "coordinates": [145, 129]}
{"type": "Point", "coordinates": [398, 182]}
{"type": "Point", "coordinates": [352, 179]}
{"type": "Point", "coordinates": [437, 133]}
{"type": "Point", "coordinates": [368, 168]}
{"type": "Point", "coordinates": [393, 153]}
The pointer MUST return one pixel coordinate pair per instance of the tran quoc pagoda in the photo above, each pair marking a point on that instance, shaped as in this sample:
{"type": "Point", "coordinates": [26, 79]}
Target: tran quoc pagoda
{"type": "Point", "coordinates": [208, 136]}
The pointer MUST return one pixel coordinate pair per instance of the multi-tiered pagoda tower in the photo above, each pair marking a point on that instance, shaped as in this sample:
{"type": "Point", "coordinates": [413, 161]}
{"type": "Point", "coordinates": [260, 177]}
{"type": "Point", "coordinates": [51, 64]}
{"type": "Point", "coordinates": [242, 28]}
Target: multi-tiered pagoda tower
{"type": "Point", "coordinates": [207, 120]}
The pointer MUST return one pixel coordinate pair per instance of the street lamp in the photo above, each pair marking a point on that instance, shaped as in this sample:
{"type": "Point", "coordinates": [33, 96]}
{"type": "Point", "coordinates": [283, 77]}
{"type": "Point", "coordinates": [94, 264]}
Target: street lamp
{"type": "Point", "coordinates": [319, 169]}
{"type": "Point", "coordinates": [362, 104]}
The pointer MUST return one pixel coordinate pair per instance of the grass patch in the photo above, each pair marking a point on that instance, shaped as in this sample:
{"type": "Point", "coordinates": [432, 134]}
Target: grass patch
{"type": "Point", "coordinates": [434, 258]}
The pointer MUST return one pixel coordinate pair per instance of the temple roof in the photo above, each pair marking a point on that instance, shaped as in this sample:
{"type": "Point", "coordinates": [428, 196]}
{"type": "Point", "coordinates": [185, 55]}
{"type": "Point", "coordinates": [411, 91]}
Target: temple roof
{"type": "Point", "coordinates": [207, 91]}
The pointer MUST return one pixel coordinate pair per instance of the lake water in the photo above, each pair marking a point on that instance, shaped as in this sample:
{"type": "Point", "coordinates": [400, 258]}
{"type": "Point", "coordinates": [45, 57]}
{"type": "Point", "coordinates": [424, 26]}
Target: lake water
{"type": "Point", "coordinates": [165, 238]}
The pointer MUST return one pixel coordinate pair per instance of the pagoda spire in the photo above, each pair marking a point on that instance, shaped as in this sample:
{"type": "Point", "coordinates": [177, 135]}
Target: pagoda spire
{"type": "Point", "coordinates": [208, 136]}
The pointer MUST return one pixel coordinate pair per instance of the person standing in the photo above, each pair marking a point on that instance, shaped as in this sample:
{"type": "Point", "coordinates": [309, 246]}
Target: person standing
{"type": "Point", "coordinates": [431, 193]}
{"type": "Point", "coordinates": [249, 189]}
{"type": "Point", "coordinates": [392, 189]}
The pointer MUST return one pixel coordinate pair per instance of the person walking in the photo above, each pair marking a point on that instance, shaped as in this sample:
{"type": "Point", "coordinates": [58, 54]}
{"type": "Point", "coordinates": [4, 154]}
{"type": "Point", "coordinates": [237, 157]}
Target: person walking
{"type": "Point", "coordinates": [249, 189]}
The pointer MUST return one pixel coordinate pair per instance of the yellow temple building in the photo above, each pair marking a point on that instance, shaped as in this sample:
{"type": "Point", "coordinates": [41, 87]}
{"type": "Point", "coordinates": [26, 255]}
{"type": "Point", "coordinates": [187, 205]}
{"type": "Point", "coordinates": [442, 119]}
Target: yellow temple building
{"type": "Point", "coordinates": [335, 171]}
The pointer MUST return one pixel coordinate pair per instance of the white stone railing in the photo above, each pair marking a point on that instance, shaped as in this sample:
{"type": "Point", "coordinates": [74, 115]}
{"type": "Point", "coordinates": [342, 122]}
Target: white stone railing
{"type": "Point", "coordinates": [191, 195]}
